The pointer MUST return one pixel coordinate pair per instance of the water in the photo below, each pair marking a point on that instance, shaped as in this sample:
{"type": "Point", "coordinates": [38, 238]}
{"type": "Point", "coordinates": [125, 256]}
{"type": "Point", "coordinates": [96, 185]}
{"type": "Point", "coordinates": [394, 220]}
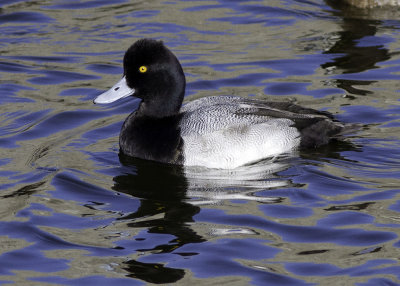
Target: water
{"type": "Point", "coordinates": [74, 213]}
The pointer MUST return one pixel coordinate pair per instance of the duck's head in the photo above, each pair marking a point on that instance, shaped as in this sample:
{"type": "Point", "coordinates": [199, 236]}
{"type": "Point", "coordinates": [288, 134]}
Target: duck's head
{"type": "Point", "coordinates": [152, 73]}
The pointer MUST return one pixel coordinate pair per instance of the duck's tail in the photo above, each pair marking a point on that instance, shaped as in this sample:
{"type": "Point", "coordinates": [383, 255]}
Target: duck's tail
{"type": "Point", "coordinates": [323, 131]}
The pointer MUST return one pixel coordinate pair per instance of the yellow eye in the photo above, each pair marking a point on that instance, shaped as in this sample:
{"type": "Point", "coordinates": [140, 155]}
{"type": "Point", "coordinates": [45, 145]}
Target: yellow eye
{"type": "Point", "coordinates": [143, 69]}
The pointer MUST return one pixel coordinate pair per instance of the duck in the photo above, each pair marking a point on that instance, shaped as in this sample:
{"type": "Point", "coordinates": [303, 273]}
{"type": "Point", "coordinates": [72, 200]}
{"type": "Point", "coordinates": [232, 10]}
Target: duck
{"type": "Point", "coordinates": [222, 132]}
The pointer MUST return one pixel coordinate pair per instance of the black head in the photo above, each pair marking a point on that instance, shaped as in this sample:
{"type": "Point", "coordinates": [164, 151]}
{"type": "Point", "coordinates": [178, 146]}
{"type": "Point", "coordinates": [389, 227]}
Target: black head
{"type": "Point", "coordinates": [152, 73]}
{"type": "Point", "coordinates": [156, 75]}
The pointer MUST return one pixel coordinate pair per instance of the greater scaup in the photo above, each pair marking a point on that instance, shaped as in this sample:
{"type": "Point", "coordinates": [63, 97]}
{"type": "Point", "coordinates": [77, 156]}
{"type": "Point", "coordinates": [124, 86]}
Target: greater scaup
{"type": "Point", "coordinates": [214, 132]}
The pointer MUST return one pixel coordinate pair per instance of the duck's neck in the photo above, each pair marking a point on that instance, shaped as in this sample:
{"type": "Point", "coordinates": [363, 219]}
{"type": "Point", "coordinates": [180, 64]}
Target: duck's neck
{"type": "Point", "coordinates": [156, 138]}
{"type": "Point", "coordinates": [157, 109]}
{"type": "Point", "coordinates": [163, 101]}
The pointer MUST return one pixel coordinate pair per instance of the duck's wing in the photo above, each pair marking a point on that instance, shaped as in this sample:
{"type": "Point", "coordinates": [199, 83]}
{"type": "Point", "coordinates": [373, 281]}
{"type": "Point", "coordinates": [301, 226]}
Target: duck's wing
{"type": "Point", "coordinates": [297, 109]}
{"type": "Point", "coordinates": [300, 116]}
{"type": "Point", "coordinates": [211, 118]}
{"type": "Point", "coordinates": [214, 113]}
{"type": "Point", "coordinates": [283, 109]}
{"type": "Point", "coordinates": [262, 104]}
{"type": "Point", "coordinates": [316, 127]}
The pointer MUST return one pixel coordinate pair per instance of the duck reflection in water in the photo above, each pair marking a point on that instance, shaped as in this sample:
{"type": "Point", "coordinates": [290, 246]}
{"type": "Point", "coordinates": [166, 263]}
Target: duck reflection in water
{"type": "Point", "coordinates": [161, 189]}
{"type": "Point", "coordinates": [177, 194]}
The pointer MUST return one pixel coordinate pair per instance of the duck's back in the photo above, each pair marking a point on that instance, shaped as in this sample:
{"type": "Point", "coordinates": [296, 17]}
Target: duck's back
{"type": "Point", "coordinates": [210, 114]}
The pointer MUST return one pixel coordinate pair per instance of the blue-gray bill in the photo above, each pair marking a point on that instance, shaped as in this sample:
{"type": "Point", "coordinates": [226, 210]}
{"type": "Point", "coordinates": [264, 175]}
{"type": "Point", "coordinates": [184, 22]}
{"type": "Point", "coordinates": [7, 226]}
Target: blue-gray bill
{"type": "Point", "coordinates": [119, 90]}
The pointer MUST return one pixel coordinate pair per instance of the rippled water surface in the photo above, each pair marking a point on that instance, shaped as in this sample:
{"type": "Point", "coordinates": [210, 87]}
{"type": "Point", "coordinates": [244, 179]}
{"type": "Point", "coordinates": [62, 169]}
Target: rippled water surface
{"type": "Point", "coordinates": [74, 213]}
